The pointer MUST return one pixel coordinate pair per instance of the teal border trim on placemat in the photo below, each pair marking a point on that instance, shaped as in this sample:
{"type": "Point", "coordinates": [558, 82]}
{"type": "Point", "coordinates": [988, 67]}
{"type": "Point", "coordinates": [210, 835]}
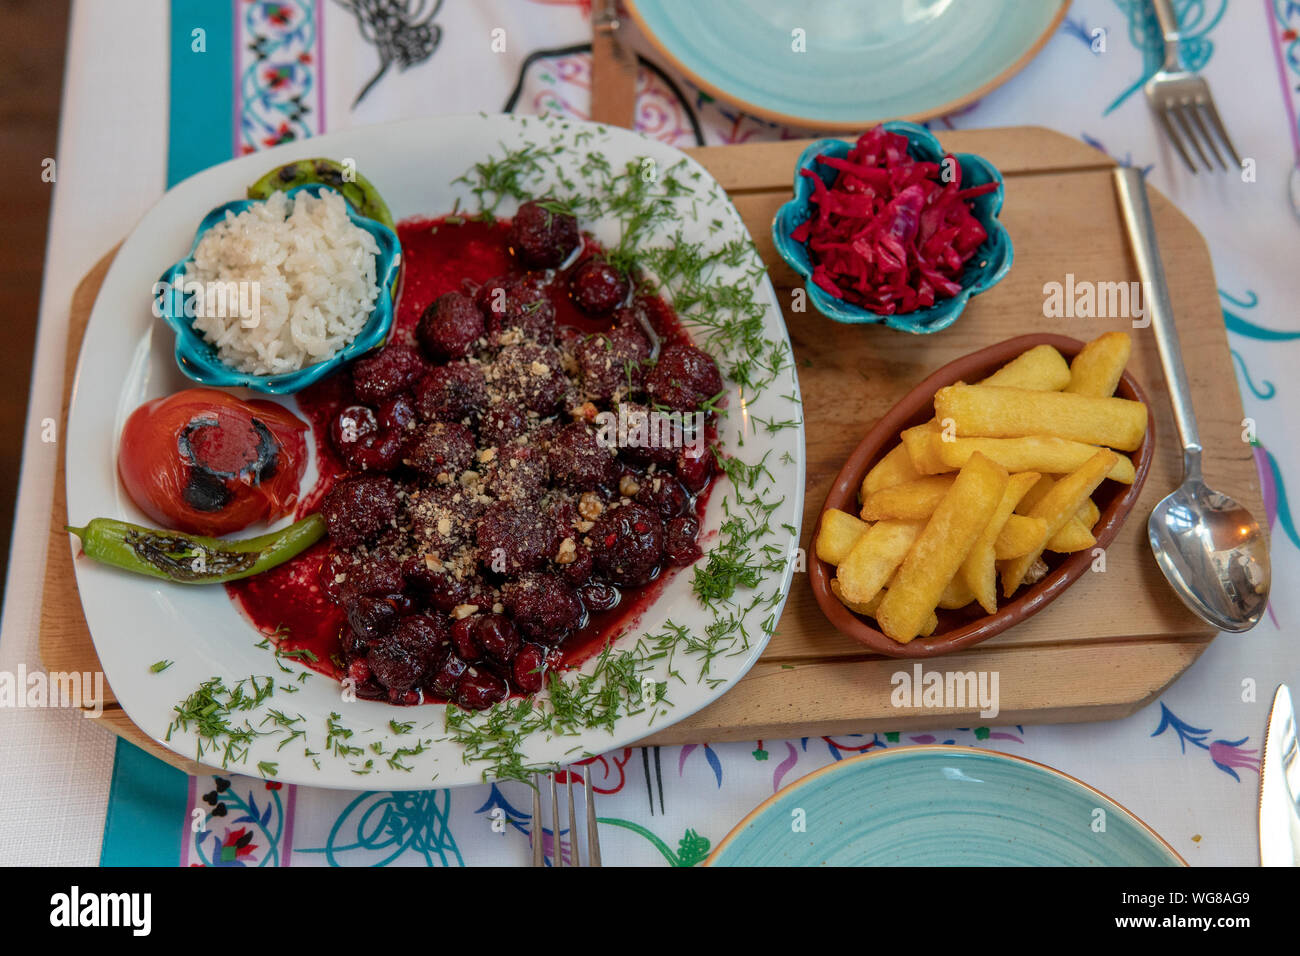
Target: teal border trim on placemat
{"type": "Point", "coordinates": [202, 89]}
{"type": "Point", "coordinates": [144, 790]}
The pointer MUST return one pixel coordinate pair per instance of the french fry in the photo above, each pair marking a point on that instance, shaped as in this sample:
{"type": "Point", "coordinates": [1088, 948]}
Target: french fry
{"type": "Point", "coordinates": [941, 548]}
{"type": "Point", "coordinates": [1020, 535]}
{"type": "Point", "coordinates": [1040, 453]}
{"type": "Point", "coordinates": [983, 412]}
{"type": "Point", "coordinates": [914, 500]}
{"type": "Point", "coordinates": [1037, 571]}
{"type": "Point", "coordinates": [956, 595]}
{"type": "Point", "coordinates": [979, 570]}
{"type": "Point", "coordinates": [1098, 367]}
{"type": "Point", "coordinates": [1057, 507]}
{"type": "Point", "coordinates": [869, 609]}
{"type": "Point", "coordinates": [874, 557]}
{"type": "Point", "coordinates": [838, 534]}
{"type": "Point", "coordinates": [922, 444]}
{"type": "Point", "coordinates": [1074, 540]}
{"type": "Point", "coordinates": [1035, 494]}
{"type": "Point", "coordinates": [1089, 514]}
{"type": "Point", "coordinates": [1042, 368]}
{"type": "Point", "coordinates": [894, 469]}
{"type": "Point", "coordinates": [1072, 537]}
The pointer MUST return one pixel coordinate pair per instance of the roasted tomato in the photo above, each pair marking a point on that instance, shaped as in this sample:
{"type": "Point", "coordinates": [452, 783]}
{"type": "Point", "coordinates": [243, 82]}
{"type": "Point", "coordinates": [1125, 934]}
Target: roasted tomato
{"type": "Point", "coordinates": [206, 462]}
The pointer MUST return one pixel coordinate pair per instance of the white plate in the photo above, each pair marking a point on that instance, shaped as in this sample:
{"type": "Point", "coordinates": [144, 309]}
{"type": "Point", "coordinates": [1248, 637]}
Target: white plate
{"type": "Point", "coordinates": [127, 359]}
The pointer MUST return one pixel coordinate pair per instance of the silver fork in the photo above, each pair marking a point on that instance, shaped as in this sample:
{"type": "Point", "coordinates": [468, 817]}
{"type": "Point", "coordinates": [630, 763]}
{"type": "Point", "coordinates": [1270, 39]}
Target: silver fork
{"type": "Point", "coordinates": [1179, 98]}
{"type": "Point", "coordinates": [536, 833]}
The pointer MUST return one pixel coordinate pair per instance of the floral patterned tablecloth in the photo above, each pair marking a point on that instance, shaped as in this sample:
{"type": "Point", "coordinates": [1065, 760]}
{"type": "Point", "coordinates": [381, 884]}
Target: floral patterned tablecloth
{"type": "Point", "coordinates": [1188, 763]}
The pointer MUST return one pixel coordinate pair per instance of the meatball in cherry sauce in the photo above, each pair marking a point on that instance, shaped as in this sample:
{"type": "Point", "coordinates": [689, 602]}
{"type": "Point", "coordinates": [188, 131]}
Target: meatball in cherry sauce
{"type": "Point", "coordinates": [498, 498]}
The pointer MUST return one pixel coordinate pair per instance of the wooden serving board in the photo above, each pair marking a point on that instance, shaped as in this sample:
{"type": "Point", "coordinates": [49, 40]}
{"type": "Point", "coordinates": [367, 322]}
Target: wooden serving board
{"type": "Point", "coordinates": [1102, 650]}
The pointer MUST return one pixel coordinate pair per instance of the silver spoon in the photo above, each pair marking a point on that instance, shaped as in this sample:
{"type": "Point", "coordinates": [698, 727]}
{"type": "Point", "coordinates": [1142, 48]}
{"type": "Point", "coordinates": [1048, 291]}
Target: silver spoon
{"type": "Point", "coordinates": [1208, 546]}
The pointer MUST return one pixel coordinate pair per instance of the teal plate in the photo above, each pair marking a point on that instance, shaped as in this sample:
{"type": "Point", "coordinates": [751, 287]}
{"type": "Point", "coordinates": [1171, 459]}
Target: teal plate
{"type": "Point", "coordinates": [904, 59]}
{"type": "Point", "coordinates": [941, 806]}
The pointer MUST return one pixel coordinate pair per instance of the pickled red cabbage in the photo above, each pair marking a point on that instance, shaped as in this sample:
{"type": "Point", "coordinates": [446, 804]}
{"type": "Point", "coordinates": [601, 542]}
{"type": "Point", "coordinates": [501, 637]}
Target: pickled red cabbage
{"type": "Point", "coordinates": [889, 234]}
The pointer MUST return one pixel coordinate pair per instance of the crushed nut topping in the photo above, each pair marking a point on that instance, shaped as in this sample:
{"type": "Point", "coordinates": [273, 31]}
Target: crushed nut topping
{"type": "Point", "coordinates": [590, 505]}
{"type": "Point", "coordinates": [568, 552]}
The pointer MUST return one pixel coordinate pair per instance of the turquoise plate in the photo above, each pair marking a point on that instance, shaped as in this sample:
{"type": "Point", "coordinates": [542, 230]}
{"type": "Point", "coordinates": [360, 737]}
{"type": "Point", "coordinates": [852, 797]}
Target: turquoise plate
{"type": "Point", "coordinates": [909, 59]}
{"type": "Point", "coordinates": [941, 806]}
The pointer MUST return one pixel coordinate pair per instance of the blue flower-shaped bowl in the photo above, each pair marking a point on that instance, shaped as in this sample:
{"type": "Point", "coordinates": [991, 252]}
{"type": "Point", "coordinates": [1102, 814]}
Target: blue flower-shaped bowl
{"type": "Point", "coordinates": [198, 359]}
{"type": "Point", "coordinates": [985, 269]}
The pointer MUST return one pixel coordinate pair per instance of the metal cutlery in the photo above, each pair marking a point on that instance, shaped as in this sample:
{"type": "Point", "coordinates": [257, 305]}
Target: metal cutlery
{"type": "Point", "coordinates": [613, 68]}
{"type": "Point", "coordinates": [1279, 783]}
{"type": "Point", "coordinates": [1209, 547]}
{"type": "Point", "coordinates": [537, 830]}
{"type": "Point", "coordinates": [1181, 100]}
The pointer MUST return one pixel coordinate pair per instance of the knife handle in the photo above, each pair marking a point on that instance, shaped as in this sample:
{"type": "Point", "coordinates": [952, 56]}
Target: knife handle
{"type": "Point", "coordinates": [605, 18]}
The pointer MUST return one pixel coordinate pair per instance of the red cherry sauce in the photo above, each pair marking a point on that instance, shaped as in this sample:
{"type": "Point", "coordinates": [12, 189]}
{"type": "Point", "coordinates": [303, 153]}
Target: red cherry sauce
{"type": "Point", "coordinates": [287, 603]}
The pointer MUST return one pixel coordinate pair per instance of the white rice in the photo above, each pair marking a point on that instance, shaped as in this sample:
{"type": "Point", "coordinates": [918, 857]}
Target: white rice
{"type": "Point", "coordinates": [315, 280]}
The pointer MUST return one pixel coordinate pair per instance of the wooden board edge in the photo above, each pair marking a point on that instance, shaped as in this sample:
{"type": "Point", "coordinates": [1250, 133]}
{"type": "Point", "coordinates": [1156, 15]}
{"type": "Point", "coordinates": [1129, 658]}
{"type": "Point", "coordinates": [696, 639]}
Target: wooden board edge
{"type": "Point", "coordinates": [115, 721]}
{"type": "Point", "coordinates": [60, 575]}
{"type": "Point", "coordinates": [773, 162]}
{"type": "Point", "coordinates": [741, 716]}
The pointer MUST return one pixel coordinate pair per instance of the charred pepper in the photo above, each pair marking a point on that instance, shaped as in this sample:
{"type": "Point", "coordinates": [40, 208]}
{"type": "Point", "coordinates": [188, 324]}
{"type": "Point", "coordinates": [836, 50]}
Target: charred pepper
{"type": "Point", "coordinates": [194, 559]}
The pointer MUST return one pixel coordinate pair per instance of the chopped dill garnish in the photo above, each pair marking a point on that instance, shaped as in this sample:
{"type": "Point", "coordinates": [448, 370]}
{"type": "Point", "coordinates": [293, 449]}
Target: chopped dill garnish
{"type": "Point", "coordinates": [337, 737]}
{"type": "Point", "coordinates": [212, 712]}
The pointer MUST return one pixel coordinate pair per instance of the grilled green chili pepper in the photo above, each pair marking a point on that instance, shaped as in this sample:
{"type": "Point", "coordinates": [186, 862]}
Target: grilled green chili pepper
{"type": "Point", "coordinates": [356, 189]}
{"type": "Point", "coordinates": [193, 559]}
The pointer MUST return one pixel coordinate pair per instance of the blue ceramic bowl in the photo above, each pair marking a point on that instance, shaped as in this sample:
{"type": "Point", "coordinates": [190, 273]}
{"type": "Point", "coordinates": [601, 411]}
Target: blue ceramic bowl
{"type": "Point", "coordinates": [199, 361]}
{"type": "Point", "coordinates": [985, 269]}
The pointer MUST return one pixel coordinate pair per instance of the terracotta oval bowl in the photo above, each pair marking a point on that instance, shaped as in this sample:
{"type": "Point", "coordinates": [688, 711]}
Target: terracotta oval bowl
{"type": "Point", "coordinates": [970, 625]}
